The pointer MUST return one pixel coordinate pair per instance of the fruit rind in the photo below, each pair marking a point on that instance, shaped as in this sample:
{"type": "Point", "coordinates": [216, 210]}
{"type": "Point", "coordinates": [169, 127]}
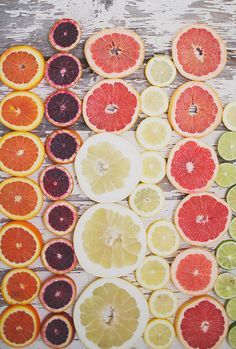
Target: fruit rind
{"type": "Point", "coordinates": [52, 40]}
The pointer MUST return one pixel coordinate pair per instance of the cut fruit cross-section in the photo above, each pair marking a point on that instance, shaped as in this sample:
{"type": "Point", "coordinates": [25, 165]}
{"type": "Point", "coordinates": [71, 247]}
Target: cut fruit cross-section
{"type": "Point", "coordinates": [163, 303]}
{"type": "Point", "coordinates": [159, 334]}
{"type": "Point", "coordinates": [160, 71]}
{"type": "Point", "coordinates": [153, 167]}
{"type": "Point", "coordinates": [226, 175]}
{"type": "Point", "coordinates": [227, 146]}
{"type": "Point", "coordinates": [226, 254]}
{"type": "Point", "coordinates": [229, 116]}
{"type": "Point", "coordinates": [65, 34]}
{"type": "Point", "coordinates": [225, 286]}
{"type": "Point", "coordinates": [154, 101]}
{"type": "Point", "coordinates": [231, 198]}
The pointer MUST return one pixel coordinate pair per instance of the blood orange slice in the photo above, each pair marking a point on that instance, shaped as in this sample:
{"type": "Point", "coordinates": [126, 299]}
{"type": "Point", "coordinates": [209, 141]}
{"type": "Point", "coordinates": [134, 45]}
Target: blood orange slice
{"type": "Point", "coordinates": [186, 166]}
{"type": "Point", "coordinates": [198, 52]}
{"type": "Point", "coordinates": [195, 109]}
{"type": "Point", "coordinates": [201, 323]}
{"type": "Point", "coordinates": [111, 106]}
{"type": "Point", "coordinates": [65, 34]}
{"type": "Point", "coordinates": [202, 218]}
{"type": "Point", "coordinates": [115, 52]}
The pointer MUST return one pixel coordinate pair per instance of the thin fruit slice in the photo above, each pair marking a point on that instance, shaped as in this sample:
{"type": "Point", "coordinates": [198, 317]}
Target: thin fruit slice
{"type": "Point", "coordinates": [111, 106]}
{"type": "Point", "coordinates": [226, 254]}
{"type": "Point", "coordinates": [118, 311]}
{"type": "Point", "coordinates": [160, 71]}
{"type": "Point", "coordinates": [229, 116]}
{"type": "Point", "coordinates": [153, 167]}
{"type": "Point", "coordinates": [115, 52]}
{"type": "Point", "coordinates": [163, 303]}
{"type": "Point", "coordinates": [105, 170]}
{"type": "Point", "coordinates": [154, 273]}
{"type": "Point", "coordinates": [231, 198]}
{"type": "Point", "coordinates": [186, 166]}
{"type": "Point", "coordinates": [63, 108]}
{"type": "Point", "coordinates": [232, 335]}
{"type": "Point", "coordinates": [20, 198]}
{"type": "Point", "coordinates": [194, 271]}
{"type": "Point", "coordinates": [225, 286]}
{"type": "Point", "coordinates": [153, 133]}
{"type": "Point", "coordinates": [21, 67]}
{"type": "Point", "coordinates": [21, 111]}
{"type": "Point", "coordinates": [19, 325]}
{"type": "Point", "coordinates": [159, 334]}
{"type": "Point", "coordinates": [226, 175]}
{"type": "Point", "coordinates": [198, 52]}
{"type": "Point", "coordinates": [63, 70]}
{"type": "Point", "coordinates": [62, 146]}
{"type": "Point", "coordinates": [231, 308]}
{"type": "Point", "coordinates": [201, 322]}
{"type": "Point", "coordinates": [232, 229]}
{"type": "Point", "coordinates": [20, 286]}
{"type": "Point", "coordinates": [195, 109]}
{"type": "Point", "coordinates": [147, 200]}
{"type": "Point", "coordinates": [58, 256]}
{"type": "Point", "coordinates": [56, 182]}
{"type": "Point", "coordinates": [227, 146]}
{"type": "Point", "coordinates": [20, 244]}
{"type": "Point", "coordinates": [65, 34]}
{"type": "Point", "coordinates": [109, 240]}
{"type": "Point", "coordinates": [60, 217]}
{"type": "Point", "coordinates": [154, 101]}
{"type": "Point", "coordinates": [162, 238]}
{"type": "Point", "coordinates": [57, 293]}
{"type": "Point", "coordinates": [21, 153]}
{"type": "Point", "coordinates": [202, 218]}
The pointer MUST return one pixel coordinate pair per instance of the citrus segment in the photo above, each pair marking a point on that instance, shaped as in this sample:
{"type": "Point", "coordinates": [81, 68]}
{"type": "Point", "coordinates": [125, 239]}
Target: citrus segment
{"type": "Point", "coordinates": [227, 146]}
{"type": "Point", "coordinates": [159, 334]}
{"type": "Point", "coordinates": [153, 167]}
{"type": "Point", "coordinates": [163, 303]}
{"type": "Point", "coordinates": [226, 175]}
{"type": "Point", "coordinates": [225, 286]}
{"type": "Point", "coordinates": [154, 101]}
{"type": "Point", "coordinates": [226, 254]}
{"type": "Point", "coordinates": [231, 308]}
{"type": "Point", "coordinates": [229, 116]}
{"type": "Point", "coordinates": [231, 198]}
{"type": "Point", "coordinates": [160, 71]}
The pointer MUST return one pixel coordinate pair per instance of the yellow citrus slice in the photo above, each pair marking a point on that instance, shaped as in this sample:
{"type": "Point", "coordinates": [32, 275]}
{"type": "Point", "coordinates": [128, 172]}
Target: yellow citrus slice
{"type": "Point", "coordinates": [160, 71]}
{"type": "Point", "coordinates": [163, 303]}
{"type": "Point", "coordinates": [159, 334]}
{"type": "Point", "coordinates": [154, 101]}
{"type": "Point", "coordinates": [153, 167]}
{"type": "Point", "coordinates": [229, 116]}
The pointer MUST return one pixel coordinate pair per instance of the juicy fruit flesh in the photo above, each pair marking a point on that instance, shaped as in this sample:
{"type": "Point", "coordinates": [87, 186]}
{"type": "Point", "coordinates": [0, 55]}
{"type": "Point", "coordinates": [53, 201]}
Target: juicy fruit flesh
{"type": "Point", "coordinates": [162, 238]}
{"type": "Point", "coordinates": [57, 332]}
{"type": "Point", "coordinates": [152, 168]}
{"type": "Point", "coordinates": [59, 256]}
{"type": "Point", "coordinates": [153, 101]}
{"type": "Point", "coordinates": [227, 146]}
{"type": "Point", "coordinates": [163, 304]}
{"type": "Point", "coordinates": [226, 175]}
{"type": "Point", "coordinates": [63, 70]}
{"type": "Point", "coordinates": [61, 218]}
{"type": "Point", "coordinates": [232, 336]}
{"type": "Point", "coordinates": [21, 286]}
{"type": "Point", "coordinates": [161, 72]}
{"type": "Point", "coordinates": [56, 182]}
{"type": "Point", "coordinates": [159, 335]}
{"type": "Point", "coordinates": [147, 200]}
{"type": "Point", "coordinates": [65, 34]}
{"type": "Point", "coordinates": [63, 107]}
{"type": "Point", "coordinates": [226, 255]}
{"type": "Point", "coordinates": [231, 198]}
{"type": "Point", "coordinates": [225, 285]}
{"type": "Point", "coordinates": [63, 146]}
{"type": "Point", "coordinates": [58, 294]}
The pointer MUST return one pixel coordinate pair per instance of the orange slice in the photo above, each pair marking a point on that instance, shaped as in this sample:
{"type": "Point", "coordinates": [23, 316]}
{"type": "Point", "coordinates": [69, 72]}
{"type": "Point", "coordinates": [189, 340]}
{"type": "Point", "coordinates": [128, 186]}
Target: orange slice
{"type": "Point", "coordinates": [21, 67]}
{"type": "Point", "coordinates": [21, 111]}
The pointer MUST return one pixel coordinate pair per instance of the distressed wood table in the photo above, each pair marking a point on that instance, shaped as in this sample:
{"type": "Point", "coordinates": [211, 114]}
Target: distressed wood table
{"type": "Point", "coordinates": [28, 22]}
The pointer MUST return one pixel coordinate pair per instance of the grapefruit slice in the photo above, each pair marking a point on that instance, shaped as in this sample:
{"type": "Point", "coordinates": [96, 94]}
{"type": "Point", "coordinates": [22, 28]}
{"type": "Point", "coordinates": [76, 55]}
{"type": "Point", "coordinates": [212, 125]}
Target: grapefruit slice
{"type": "Point", "coordinates": [65, 34]}
{"type": "Point", "coordinates": [111, 106]}
{"type": "Point", "coordinates": [194, 271]}
{"type": "Point", "coordinates": [21, 67]}
{"type": "Point", "coordinates": [202, 218]}
{"type": "Point", "coordinates": [195, 109]}
{"type": "Point", "coordinates": [198, 52]}
{"type": "Point", "coordinates": [114, 53]}
{"type": "Point", "coordinates": [186, 166]}
{"type": "Point", "coordinates": [201, 323]}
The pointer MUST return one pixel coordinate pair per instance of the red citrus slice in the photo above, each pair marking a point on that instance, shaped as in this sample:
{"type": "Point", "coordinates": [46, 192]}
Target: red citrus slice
{"type": "Point", "coordinates": [195, 109]}
{"type": "Point", "coordinates": [115, 52]}
{"type": "Point", "coordinates": [198, 52]}
{"type": "Point", "coordinates": [202, 218]}
{"type": "Point", "coordinates": [201, 323]}
{"type": "Point", "coordinates": [186, 166]}
{"type": "Point", "coordinates": [65, 34]}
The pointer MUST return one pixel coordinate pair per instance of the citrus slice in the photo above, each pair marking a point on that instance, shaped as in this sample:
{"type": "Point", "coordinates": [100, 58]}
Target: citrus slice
{"type": "Point", "coordinates": [229, 116]}
{"type": "Point", "coordinates": [232, 335]}
{"type": "Point", "coordinates": [153, 133]}
{"type": "Point", "coordinates": [160, 71]}
{"type": "Point", "coordinates": [227, 146]}
{"type": "Point", "coordinates": [231, 198]}
{"type": "Point", "coordinates": [159, 334]}
{"type": "Point", "coordinates": [20, 198]}
{"type": "Point", "coordinates": [21, 153]}
{"type": "Point", "coordinates": [109, 240]}
{"type": "Point", "coordinates": [147, 200]}
{"type": "Point", "coordinates": [20, 286]}
{"type": "Point", "coordinates": [163, 303]}
{"type": "Point", "coordinates": [20, 244]}
{"type": "Point", "coordinates": [21, 67]}
{"type": "Point", "coordinates": [19, 325]}
{"type": "Point", "coordinates": [226, 175]}
{"type": "Point", "coordinates": [154, 101]}
{"type": "Point", "coordinates": [65, 34]}
{"type": "Point", "coordinates": [105, 170]}
{"type": "Point", "coordinates": [21, 111]}
{"type": "Point", "coordinates": [110, 313]}
{"type": "Point", "coordinates": [153, 167]}
{"type": "Point", "coordinates": [163, 238]}
{"type": "Point", "coordinates": [226, 254]}
{"type": "Point", "coordinates": [231, 308]}
{"type": "Point", "coordinates": [154, 273]}
{"type": "Point", "coordinates": [225, 286]}
{"type": "Point", "coordinates": [232, 229]}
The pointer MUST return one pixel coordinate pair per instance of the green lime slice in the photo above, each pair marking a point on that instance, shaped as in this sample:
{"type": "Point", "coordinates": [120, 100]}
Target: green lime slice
{"type": "Point", "coordinates": [226, 175]}
{"type": "Point", "coordinates": [232, 335]}
{"type": "Point", "coordinates": [231, 308]}
{"type": "Point", "coordinates": [226, 254]}
{"type": "Point", "coordinates": [225, 286]}
{"type": "Point", "coordinates": [227, 146]}
{"type": "Point", "coordinates": [231, 198]}
{"type": "Point", "coordinates": [232, 228]}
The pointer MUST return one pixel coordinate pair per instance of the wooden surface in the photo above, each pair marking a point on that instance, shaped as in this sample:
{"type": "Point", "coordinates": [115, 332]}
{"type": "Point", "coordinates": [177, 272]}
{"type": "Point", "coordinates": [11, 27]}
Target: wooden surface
{"type": "Point", "coordinates": [28, 22]}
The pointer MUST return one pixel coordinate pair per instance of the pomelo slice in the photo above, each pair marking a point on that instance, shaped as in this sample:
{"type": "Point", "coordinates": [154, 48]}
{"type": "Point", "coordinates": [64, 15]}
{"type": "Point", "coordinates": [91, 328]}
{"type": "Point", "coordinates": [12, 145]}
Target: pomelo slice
{"type": "Point", "coordinates": [225, 286]}
{"type": "Point", "coordinates": [163, 303]}
{"type": "Point", "coordinates": [231, 198]}
{"type": "Point", "coordinates": [114, 53]}
{"type": "Point", "coordinates": [186, 166]}
{"type": "Point", "coordinates": [226, 175]}
{"type": "Point", "coordinates": [153, 167]}
{"type": "Point", "coordinates": [198, 52]}
{"type": "Point", "coordinates": [111, 106]}
{"type": "Point", "coordinates": [65, 34]}
{"type": "Point", "coordinates": [154, 101]}
{"type": "Point", "coordinates": [202, 218]}
{"type": "Point", "coordinates": [160, 71]}
{"type": "Point", "coordinates": [159, 334]}
{"type": "Point", "coordinates": [229, 116]}
{"type": "Point", "coordinates": [227, 146]}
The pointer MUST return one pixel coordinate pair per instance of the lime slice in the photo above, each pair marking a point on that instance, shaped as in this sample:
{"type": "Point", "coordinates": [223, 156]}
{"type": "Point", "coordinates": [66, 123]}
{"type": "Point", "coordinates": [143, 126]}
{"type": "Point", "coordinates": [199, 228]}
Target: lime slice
{"type": "Point", "coordinates": [227, 146]}
{"type": "Point", "coordinates": [232, 228]}
{"type": "Point", "coordinates": [160, 71]}
{"type": "Point", "coordinates": [231, 198]}
{"type": "Point", "coordinates": [231, 308]}
{"type": "Point", "coordinates": [159, 334]}
{"type": "Point", "coordinates": [229, 116]}
{"type": "Point", "coordinates": [225, 286]}
{"type": "Point", "coordinates": [226, 175]}
{"type": "Point", "coordinates": [232, 335]}
{"type": "Point", "coordinates": [154, 101]}
{"type": "Point", "coordinates": [226, 254]}
{"type": "Point", "coordinates": [153, 167]}
{"type": "Point", "coordinates": [163, 303]}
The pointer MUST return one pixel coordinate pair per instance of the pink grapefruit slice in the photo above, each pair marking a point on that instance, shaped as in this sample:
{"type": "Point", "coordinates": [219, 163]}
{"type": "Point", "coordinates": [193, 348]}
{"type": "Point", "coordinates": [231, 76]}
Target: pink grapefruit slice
{"type": "Point", "coordinates": [202, 218]}
{"type": "Point", "coordinates": [114, 53]}
{"type": "Point", "coordinates": [195, 109]}
{"type": "Point", "coordinates": [111, 106]}
{"type": "Point", "coordinates": [198, 52]}
{"type": "Point", "coordinates": [192, 166]}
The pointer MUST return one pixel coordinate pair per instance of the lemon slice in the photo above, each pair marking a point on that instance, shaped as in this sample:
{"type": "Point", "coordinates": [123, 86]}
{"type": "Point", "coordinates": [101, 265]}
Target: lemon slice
{"type": "Point", "coordinates": [153, 167]}
{"type": "Point", "coordinates": [227, 146]}
{"type": "Point", "coordinates": [153, 133]}
{"type": "Point", "coordinates": [226, 175]}
{"type": "Point", "coordinates": [163, 238]}
{"type": "Point", "coordinates": [159, 334]}
{"type": "Point", "coordinates": [154, 273]}
{"type": "Point", "coordinates": [147, 200]}
{"type": "Point", "coordinates": [109, 240]}
{"type": "Point", "coordinates": [163, 303]}
{"type": "Point", "coordinates": [154, 101]}
{"type": "Point", "coordinates": [229, 116]}
{"type": "Point", "coordinates": [231, 198]}
{"type": "Point", "coordinates": [160, 71]}
{"type": "Point", "coordinates": [110, 313]}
